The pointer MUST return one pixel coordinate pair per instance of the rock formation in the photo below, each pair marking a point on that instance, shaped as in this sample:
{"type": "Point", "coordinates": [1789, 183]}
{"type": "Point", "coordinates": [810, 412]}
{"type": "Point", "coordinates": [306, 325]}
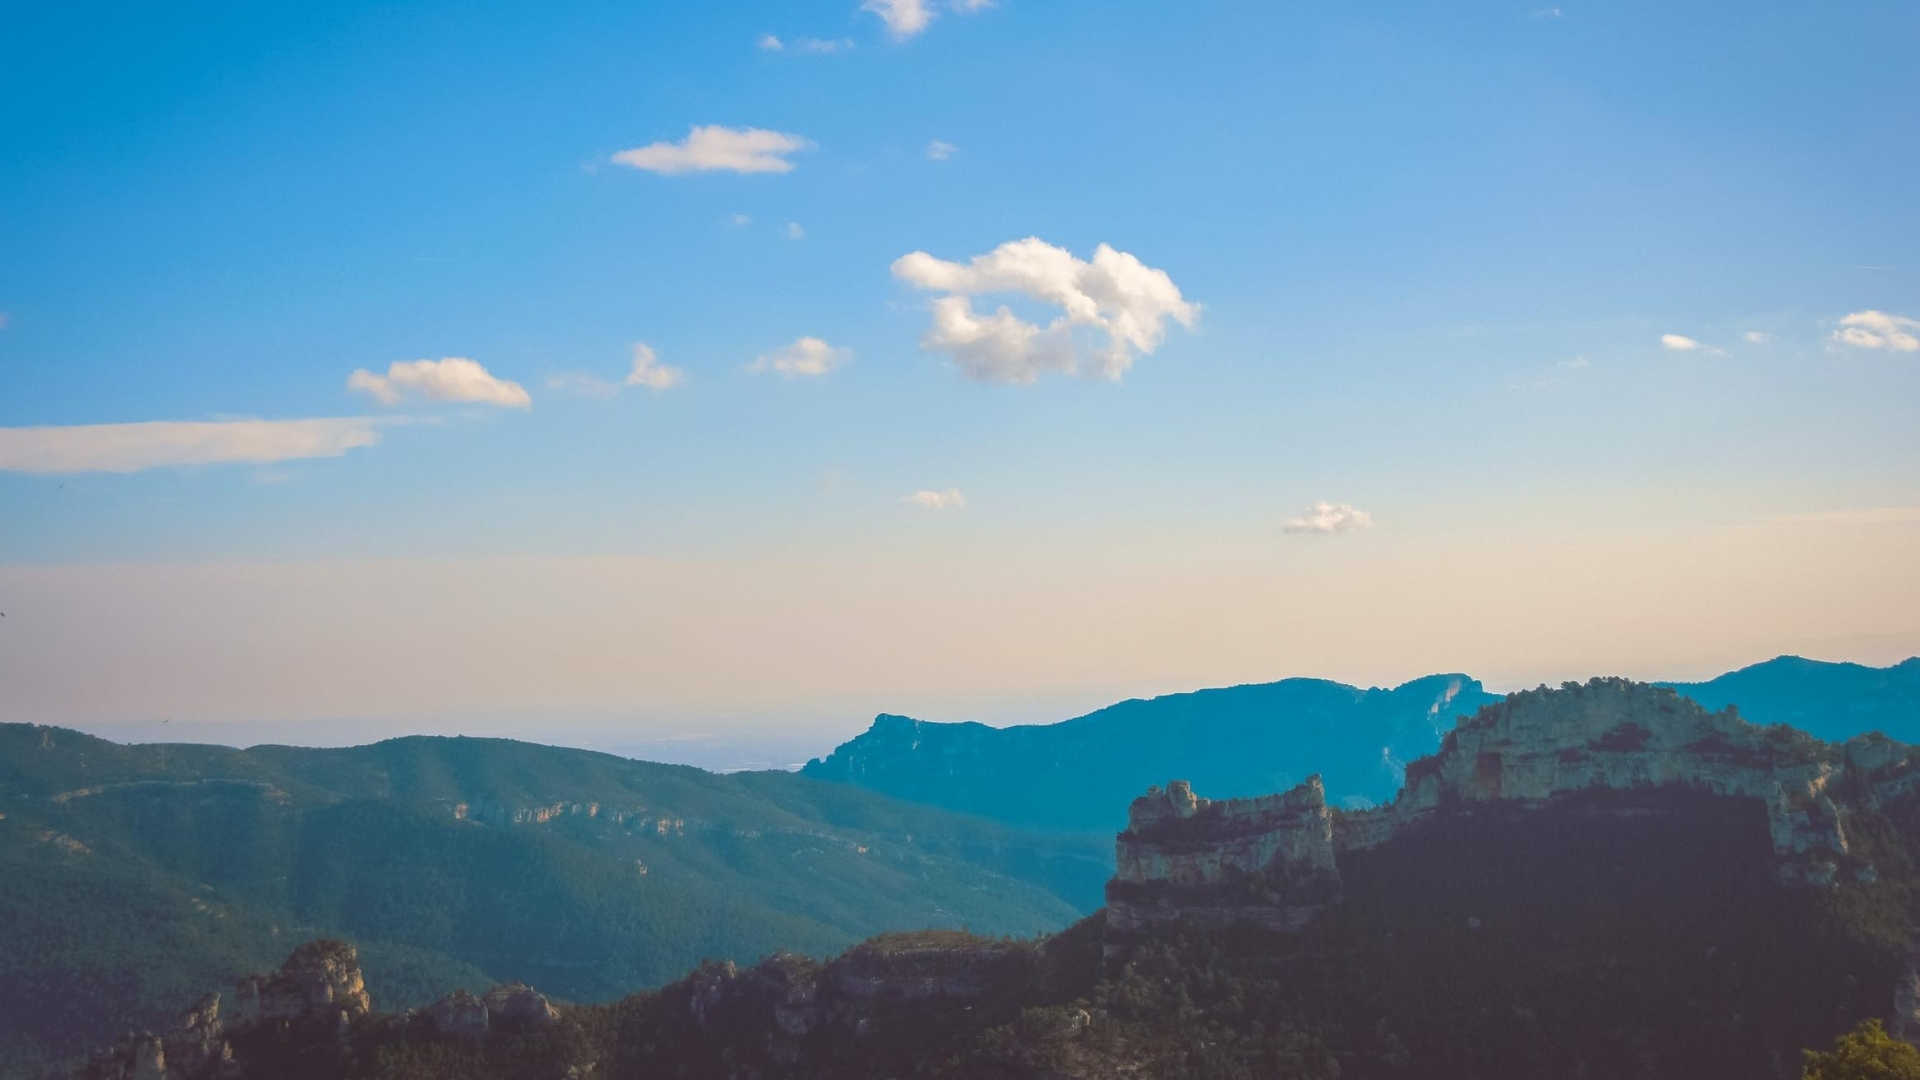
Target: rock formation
{"type": "Point", "coordinates": [1275, 861]}
{"type": "Point", "coordinates": [317, 999]}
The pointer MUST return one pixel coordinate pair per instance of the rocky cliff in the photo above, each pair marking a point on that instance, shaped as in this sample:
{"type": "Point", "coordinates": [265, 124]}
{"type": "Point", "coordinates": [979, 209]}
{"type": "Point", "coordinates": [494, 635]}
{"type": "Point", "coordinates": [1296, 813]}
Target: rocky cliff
{"type": "Point", "coordinates": [1613, 745]}
{"type": "Point", "coordinates": [316, 1004]}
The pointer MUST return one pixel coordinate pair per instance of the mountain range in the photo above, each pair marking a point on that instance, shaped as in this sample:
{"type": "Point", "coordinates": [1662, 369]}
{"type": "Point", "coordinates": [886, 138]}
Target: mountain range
{"type": "Point", "coordinates": [1244, 740]}
{"type": "Point", "coordinates": [130, 876]}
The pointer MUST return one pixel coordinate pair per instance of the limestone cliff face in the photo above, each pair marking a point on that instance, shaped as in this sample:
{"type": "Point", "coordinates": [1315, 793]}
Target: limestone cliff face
{"type": "Point", "coordinates": [1275, 860]}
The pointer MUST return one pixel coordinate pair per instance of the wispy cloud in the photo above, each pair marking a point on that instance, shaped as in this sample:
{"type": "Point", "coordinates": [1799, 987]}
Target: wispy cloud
{"type": "Point", "coordinates": [1757, 337]}
{"type": "Point", "coordinates": [928, 499]}
{"type": "Point", "coordinates": [1876, 515]}
{"type": "Point", "coordinates": [1114, 296]}
{"type": "Point", "coordinates": [454, 378]}
{"type": "Point", "coordinates": [940, 150]}
{"type": "Point", "coordinates": [647, 371]}
{"type": "Point", "coordinates": [795, 232]}
{"type": "Point", "coordinates": [582, 384]}
{"type": "Point", "coordinates": [713, 148]}
{"type": "Point", "coordinates": [1326, 517]}
{"type": "Point", "coordinates": [740, 221]}
{"type": "Point", "coordinates": [126, 448]}
{"type": "Point", "coordinates": [1873, 329]}
{"type": "Point", "coordinates": [1572, 364]}
{"type": "Point", "coordinates": [817, 46]}
{"type": "Point", "coordinates": [1546, 13]}
{"type": "Point", "coordinates": [806, 357]}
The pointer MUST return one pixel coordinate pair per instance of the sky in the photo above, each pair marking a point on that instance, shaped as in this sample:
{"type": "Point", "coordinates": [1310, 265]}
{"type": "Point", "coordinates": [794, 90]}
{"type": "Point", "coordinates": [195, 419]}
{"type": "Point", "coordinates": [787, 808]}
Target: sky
{"type": "Point", "coordinates": [642, 376]}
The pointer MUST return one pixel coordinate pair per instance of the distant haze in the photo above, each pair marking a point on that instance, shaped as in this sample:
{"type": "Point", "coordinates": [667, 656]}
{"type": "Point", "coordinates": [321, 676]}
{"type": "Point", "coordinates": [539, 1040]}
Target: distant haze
{"type": "Point", "coordinates": [792, 655]}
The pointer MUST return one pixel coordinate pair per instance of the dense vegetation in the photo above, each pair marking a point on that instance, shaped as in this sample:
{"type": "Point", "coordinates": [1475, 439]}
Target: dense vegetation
{"type": "Point", "coordinates": [133, 876]}
{"type": "Point", "coordinates": [1601, 938]}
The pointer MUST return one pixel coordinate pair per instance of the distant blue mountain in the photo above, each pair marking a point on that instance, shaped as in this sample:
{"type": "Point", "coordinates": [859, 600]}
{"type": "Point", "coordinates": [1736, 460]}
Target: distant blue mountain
{"type": "Point", "coordinates": [1827, 700]}
{"type": "Point", "coordinates": [1082, 773]}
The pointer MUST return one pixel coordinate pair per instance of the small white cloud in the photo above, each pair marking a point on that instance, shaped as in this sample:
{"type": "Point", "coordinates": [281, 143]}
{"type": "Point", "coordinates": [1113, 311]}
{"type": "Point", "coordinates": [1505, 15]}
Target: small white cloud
{"type": "Point", "coordinates": [1574, 364]}
{"type": "Point", "coordinates": [741, 221]}
{"type": "Point", "coordinates": [1546, 13]}
{"type": "Point", "coordinates": [804, 358]}
{"type": "Point", "coordinates": [713, 148]}
{"type": "Point", "coordinates": [126, 448]}
{"type": "Point", "coordinates": [770, 43]}
{"type": "Point", "coordinates": [1326, 517]}
{"type": "Point", "coordinates": [795, 232]}
{"type": "Point", "coordinates": [582, 384]}
{"type": "Point", "coordinates": [905, 18]}
{"type": "Point", "coordinates": [927, 499]}
{"type": "Point", "coordinates": [1679, 343]}
{"type": "Point", "coordinates": [940, 150]}
{"type": "Point", "coordinates": [649, 372]}
{"type": "Point", "coordinates": [1873, 329]}
{"type": "Point", "coordinates": [454, 378]}
{"type": "Point", "coordinates": [1114, 297]}
{"type": "Point", "coordinates": [1757, 337]}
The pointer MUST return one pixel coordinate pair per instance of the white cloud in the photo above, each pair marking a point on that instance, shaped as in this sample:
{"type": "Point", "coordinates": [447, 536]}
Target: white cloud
{"type": "Point", "coordinates": [1115, 297]}
{"type": "Point", "coordinates": [820, 46]}
{"type": "Point", "coordinates": [926, 499]}
{"type": "Point", "coordinates": [807, 356]}
{"type": "Point", "coordinates": [454, 378]}
{"type": "Point", "coordinates": [582, 384]}
{"type": "Point", "coordinates": [741, 221]}
{"type": "Point", "coordinates": [1679, 343]}
{"type": "Point", "coordinates": [1757, 337]}
{"type": "Point", "coordinates": [649, 372]}
{"type": "Point", "coordinates": [713, 148]}
{"type": "Point", "coordinates": [940, 150]}
{"type": "Point", "coordinates": [1326, 517]}
{"type": "Point", "coordinates": [1546, 13]}
{"type": "Point", "coordinates": [905, 18]}
{"type": "Point", "coordinates": [1872, 329]}
{"type": "Point", "coordinates": [795, 232]}
{"type": "Point", "coordinates": [125, 448]}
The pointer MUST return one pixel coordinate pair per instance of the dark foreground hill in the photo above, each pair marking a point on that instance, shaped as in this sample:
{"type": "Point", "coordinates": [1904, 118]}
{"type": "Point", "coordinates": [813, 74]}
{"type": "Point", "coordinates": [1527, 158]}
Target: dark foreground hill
{"type": "Point", "coordinates": [1241, 740]}
{"type": "Point", "coordinates": [1598, 881]}
{"type": "Point", "coordinates": [131, 876]}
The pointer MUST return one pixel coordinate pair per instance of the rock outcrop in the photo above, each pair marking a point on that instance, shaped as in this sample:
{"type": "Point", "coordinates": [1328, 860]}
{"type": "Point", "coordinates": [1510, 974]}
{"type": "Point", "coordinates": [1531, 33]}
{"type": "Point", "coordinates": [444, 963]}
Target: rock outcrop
{"type": "Point", "coordinates": [318, 991]}
{"type": "Point", "coordinates": [1275, 861]}
{"type": "Point", "coordinates": [316, 1001]}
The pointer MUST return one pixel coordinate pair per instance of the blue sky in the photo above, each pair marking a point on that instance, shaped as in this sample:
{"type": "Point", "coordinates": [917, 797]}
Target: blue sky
{"type": "Point", "coordinates": [1432, 256]}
